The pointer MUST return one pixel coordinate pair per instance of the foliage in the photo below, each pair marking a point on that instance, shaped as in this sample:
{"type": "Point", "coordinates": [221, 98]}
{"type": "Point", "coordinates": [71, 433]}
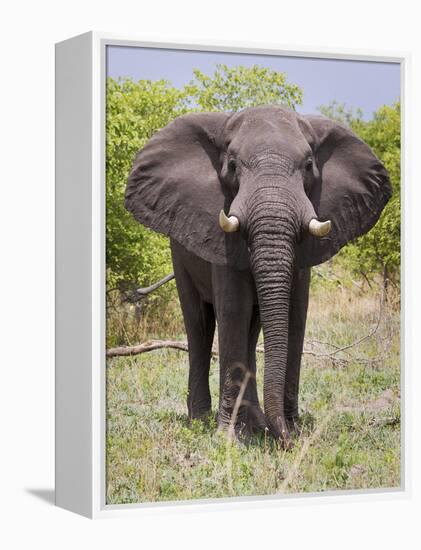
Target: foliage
{"type": "Point", "coordinates": [379, 250]}
{"type": "Point", "coordinates": [338, 111]}
{"type": "Point", "coordinates": [232, 89]}
{"type": "Point", "coordinates": [135, 111]}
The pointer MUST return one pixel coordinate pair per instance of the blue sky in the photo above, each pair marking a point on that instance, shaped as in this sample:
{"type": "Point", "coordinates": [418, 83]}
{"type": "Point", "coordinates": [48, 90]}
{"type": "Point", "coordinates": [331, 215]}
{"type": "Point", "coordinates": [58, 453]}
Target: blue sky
{"type": "Point", "coordinates": [358, 84]}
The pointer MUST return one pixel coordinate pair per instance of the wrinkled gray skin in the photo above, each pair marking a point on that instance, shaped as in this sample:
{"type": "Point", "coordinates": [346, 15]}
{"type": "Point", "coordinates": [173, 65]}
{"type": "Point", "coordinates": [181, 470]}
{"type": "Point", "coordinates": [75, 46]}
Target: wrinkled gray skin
{"type": "Point", "coordinates": [275, 171]}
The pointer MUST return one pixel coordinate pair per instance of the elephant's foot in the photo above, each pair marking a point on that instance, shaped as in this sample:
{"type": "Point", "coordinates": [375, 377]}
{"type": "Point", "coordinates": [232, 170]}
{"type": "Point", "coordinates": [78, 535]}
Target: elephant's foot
{"type": "Point", "coordinates": [250, 420]}
{"type": "Point", "coordinates": [200, 412]}
{"type": "Point", "coordinates": [293, 424]}
{"type": "Point", "coordinates": [298, 424]}
{"type": "Point", "coordinates": [292, 417]}
{"type": "Point", "coordinates": [281, 432]}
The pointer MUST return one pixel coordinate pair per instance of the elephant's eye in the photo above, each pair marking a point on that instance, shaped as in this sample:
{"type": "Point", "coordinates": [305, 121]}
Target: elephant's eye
{"type": "Point", "coordinates": [308, 165]}
{"type": "Point", "coordinates": [231, 166]}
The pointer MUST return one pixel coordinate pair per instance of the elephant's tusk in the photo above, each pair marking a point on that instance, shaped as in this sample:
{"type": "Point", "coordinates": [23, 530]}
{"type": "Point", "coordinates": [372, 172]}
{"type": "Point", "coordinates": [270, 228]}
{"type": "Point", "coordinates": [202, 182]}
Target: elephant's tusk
{"type": "Point", "coordinates": [229, 225]}
{"type": "Point", "coordinates": [319, 229]}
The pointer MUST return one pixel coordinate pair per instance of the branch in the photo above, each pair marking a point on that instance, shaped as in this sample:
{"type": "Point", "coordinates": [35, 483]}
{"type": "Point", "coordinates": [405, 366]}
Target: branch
{"type": "Point", "coordinates": [147, 290]}
{"type": "Point", "coordinates": [369, 335]}
{"type": "Point", "coordinates": [140, 293]}
{"type": "Point", "coordinates": [333, 354]}
{"type": "Point", "coordinates": [151, 345]}
{"type": "Point", "coordinates": [350, 359]}
{"type": "Point", "coordinates": [329, 355]}
{"type": "Point", "coordinates": [124, 351]}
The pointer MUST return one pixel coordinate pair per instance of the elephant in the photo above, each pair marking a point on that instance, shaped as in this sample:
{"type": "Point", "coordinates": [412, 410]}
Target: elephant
{"type": "Point", "coordinates": [251, 200]}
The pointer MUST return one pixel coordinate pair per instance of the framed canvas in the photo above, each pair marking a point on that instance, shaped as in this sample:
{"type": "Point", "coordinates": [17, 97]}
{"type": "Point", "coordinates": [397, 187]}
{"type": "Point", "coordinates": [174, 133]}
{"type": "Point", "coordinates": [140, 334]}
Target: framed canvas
{"type": "Point", "coordinates": [269, 182]}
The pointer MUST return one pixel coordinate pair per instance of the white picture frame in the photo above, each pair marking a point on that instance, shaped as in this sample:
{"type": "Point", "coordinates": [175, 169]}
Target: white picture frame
{"type": "Point", "coordinates": [80, 276]}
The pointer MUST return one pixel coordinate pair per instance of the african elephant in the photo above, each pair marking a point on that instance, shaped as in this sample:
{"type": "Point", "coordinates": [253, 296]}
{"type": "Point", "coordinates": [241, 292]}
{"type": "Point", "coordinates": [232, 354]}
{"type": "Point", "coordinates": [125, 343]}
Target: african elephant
{"type": "Point", "coordinates": [295, 189]}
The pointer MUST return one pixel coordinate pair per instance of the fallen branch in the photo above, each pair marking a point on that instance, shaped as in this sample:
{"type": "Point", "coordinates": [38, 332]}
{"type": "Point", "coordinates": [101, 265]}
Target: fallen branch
{"type": "Point", "coordinates": [367, 336]}
{"type": "Point", "coordinates": [332, 354]}
{"type": "Point", "coordinates": [151, 345]}
{"type": "Point", "coordinates": [124, 351]}
{"type": "Point", "coordinates": [350, 359]}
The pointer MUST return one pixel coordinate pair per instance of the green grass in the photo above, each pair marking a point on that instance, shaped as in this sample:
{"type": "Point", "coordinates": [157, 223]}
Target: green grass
{"type": "Point", "coordinates": [350, 413]}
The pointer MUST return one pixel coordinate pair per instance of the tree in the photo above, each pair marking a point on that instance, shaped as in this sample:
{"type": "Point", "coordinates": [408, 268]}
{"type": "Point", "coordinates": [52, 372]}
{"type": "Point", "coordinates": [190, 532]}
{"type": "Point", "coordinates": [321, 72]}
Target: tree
{"type": "Point", "coordinates": [135, 111]}
{"type": "Point", "coordinates": [339, 112]}
{"type": "Point", "coordinates": [232, 89]}
{"type": "Point", "coordinates": [379, 250]}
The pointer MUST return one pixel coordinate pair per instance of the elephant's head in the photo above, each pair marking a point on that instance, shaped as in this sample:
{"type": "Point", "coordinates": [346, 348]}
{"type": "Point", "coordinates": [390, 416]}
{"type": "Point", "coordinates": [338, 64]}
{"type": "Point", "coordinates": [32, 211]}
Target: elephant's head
{"type": "Point", "coordinates": [292, 190]}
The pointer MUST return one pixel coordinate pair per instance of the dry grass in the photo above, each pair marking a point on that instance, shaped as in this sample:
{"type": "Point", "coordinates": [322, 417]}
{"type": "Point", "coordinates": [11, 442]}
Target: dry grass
{"type": "Point", "coordinates": [129, 324]}
{"type": "Point", "coordinates": [350, 433]}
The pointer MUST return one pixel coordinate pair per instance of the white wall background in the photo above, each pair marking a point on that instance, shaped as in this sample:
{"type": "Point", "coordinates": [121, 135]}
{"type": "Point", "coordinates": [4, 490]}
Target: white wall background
{"type": "Point", "coordinates": [28, 33]}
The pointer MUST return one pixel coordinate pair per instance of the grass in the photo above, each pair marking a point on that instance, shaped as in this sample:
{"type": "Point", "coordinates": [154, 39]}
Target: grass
{"type": "Point", "coordinates": [350, 414]}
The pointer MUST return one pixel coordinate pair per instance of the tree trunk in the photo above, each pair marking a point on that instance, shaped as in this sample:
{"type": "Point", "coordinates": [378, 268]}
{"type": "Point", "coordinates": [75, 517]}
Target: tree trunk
{"type": "Point", "coordinates": [385, 281]}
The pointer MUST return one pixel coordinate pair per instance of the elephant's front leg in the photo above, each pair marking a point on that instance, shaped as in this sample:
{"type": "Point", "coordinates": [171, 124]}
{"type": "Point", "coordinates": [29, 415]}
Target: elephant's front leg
{"type": "Point", "coordinates": [199, 320]}
{"type": "Point", "coordinates": [297, 324]}
{"type": "Point", "coordinates": [238, 330]}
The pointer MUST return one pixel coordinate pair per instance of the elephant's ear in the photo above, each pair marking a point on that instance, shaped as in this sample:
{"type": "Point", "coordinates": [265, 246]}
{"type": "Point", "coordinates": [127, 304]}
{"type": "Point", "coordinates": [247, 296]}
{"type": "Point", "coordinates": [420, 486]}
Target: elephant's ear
{"type": "Point", "coordinates": [174, 188]}
{"type": "Point", "coordinates": [351, 188]}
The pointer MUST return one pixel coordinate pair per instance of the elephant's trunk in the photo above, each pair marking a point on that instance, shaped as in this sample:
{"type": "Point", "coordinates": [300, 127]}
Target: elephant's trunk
{"type": "Point", "coordinates": [273, 225]}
